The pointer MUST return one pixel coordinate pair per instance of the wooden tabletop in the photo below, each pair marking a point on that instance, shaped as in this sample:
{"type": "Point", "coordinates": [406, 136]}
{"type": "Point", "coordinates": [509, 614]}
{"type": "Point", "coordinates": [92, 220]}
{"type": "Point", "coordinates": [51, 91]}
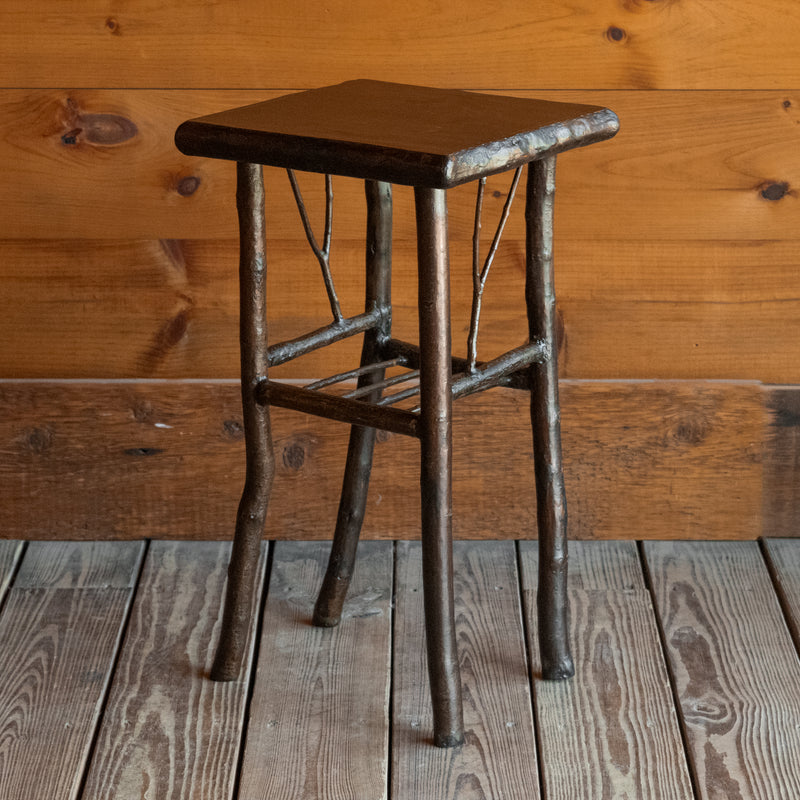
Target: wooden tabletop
{"type": "Point", "coordinates": [414, 135]}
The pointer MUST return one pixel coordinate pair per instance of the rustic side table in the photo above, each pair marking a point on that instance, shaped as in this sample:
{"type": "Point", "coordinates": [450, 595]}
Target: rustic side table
{"type": "Point", "coordinates": [431, 139]}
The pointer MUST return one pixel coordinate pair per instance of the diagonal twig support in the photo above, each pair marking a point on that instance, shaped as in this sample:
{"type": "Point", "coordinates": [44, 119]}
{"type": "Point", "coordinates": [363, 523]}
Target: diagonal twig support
{"type": "Point", "coordinates": [481, 273]}
{"type": "Point", "coordinates": [322, 253]}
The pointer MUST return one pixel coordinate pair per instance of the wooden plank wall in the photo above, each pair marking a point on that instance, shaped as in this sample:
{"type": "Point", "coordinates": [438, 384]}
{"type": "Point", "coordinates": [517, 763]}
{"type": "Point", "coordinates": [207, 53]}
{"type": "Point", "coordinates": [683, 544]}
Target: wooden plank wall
{"type": "Point", "coordinates": [677, 263]}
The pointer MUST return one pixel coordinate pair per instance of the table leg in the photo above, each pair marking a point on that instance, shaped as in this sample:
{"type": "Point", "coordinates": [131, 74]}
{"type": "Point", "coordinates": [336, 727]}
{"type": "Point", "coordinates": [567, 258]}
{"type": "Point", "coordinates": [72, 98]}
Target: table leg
{"type": "Point", "coordinates": [436, 463]}
{"type": "Point", "coordinates": [552, 601]}
{"type": "Point", "coordinates": [252, 512]}
{"type": "Point", "coordinates": [352, 503]}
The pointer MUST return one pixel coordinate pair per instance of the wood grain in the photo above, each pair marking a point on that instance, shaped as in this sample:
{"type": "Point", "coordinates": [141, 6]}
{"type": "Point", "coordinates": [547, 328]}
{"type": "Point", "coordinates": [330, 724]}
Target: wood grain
{"type": "Point", "coordinates": [695, 434]}
{"type": "Point", "coordinates": [498, 758]}
{"type": "Point", "coordinates": [782, 463]}
{"type": "Point", "coordinates": [656, 247]}
{"type": "Point", "coordinates": [685, 166]}
{"type": "Point", "coordinates": [150, 309]}
{"type": "Point", "coordinates": [60, 628]}
{"type": "Point", "coordinates": [90, 565]}
{"type": "Point", "coordinates": [730, 44]}
{"type": "Point", "coordinates": [611, 731]}
{"type": "Point", "coordinates": [73, 442]}
{"type": "Point", "coordinates": [165, 459]}
{"type": "Point", "coordinates": [167, 728]}
{"type": "Point", "coordinates": [734, 664]}
{"type": "Point", "coordinates": [318, 721]}
{"type": "Point", "coordinates": [784, 560]}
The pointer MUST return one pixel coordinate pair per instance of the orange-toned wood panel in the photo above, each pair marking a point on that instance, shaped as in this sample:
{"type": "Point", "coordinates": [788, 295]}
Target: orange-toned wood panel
{"type": "Point", "coordinates": [554, 44]}
{"type": "Point", "coordinates": [127, 460]}
{"type": "Point", "coordinates": [141, 309]}
{"type": "Point", "coordinates": [685, 165]}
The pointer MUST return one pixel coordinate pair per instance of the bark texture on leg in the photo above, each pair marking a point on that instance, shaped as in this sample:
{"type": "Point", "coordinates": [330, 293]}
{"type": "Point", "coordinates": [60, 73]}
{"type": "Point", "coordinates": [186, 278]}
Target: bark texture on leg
{"type": "Point", "coordinates": [353, 501]}
{"type": "Point", "coordinates": [551, 507]}
{"type": "Point", "coordinates": [252, 512]}
{"type": "Point", "coordinates": [436, 462]}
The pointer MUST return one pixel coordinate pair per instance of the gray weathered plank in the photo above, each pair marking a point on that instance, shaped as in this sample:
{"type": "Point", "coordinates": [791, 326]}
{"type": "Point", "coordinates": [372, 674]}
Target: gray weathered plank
{"type": "Point", "coordinates": [498, 758]}
{"type": "Point", "coordinates": [60, 632]}
{"type": "Point", "coordinates": [10, 554]}
{"type": "Point", "coordinates": [611, 732]}
{"type": "Point", "coordinates": [736, 671]}
{"type": "Point", "coordinates": [168, 729]}
{"type": "Point", "coordinates": [318, 724]}
{"type": "Point", "coordinates": [785, 557]}
{"type": "Point", "coordinates": [94, 565]}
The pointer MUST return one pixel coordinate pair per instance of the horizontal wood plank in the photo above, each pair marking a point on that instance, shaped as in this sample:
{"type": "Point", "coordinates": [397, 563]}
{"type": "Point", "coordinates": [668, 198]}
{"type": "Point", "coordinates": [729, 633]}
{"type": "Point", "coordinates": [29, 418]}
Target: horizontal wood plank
{"type": "Point", "coordinates": [166, 724]}
{"type": "Point", "coordinates": [318, 720]}
{"type": "Point", "coordinates": [686, 339]}
{"type": "Point", "coordinates": [60, 630]}
{"type": "Point", "coordinates": [735, 667]}
{"type": "Point", "coordinates": [611, 731]}
{"type": "Point", "coordinates": [656, 247]}
{"type": "Point", "coordinates": [554, 44]}
{"type": "Point", "coordinates": [166, 309]}
{"type": "Point", "coordinates": [165, 459]}
{"type": "Point", "coordinates": [665, 469]}
{"type": "Point", "coordinates": [498, 758]}
{"type": "Point", "coordinates": [96, 164]}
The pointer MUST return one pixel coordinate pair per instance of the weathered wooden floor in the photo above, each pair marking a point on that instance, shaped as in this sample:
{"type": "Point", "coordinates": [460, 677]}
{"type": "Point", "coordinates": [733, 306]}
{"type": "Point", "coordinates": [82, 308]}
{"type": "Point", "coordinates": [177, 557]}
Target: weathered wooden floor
{"type": "Point", "coordinates": [687, 685]}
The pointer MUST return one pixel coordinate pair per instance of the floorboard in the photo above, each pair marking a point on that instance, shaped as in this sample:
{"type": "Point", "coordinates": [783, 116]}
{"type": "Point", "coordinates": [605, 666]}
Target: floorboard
{"type": "Point", "coordinates": [60, 628]}
{"type": "Point", "coordinates": [611, 732]}
{"type": "Point", "coordinates": [785, 557]}
{"type": "Point", "coordinates": [687, 682]}
{"type": "Point", "coordinates": [735, 668]}
{"type": "Point", "coordinates": [168, 731]}
{"type": "Point", "coordinates": [318, 724]}
{"type": "Point", "coordinates": [498, 759]}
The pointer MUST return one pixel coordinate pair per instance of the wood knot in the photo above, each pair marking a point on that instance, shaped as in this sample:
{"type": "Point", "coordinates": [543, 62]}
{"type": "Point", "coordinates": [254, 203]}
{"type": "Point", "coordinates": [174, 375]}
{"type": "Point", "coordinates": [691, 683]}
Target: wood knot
{"type": "Point", "coordinates": [233, 428]}
{"type": "Point", "coordinates": [104, 130]}
{"type": "Point", "coordinates": [690, 430]}
{"type": "Point", "coordinates": [774, 190]}
{"type": "Point", "coordinates": [295, 451]}
{"type": "Point", "coordinates": [182, 184]}
{"type": "Point", "coordinates": [107, 129]}
{"type": "Point", "coordinates": [37, 440]}
{"type": "Point", "coordinates": [188, 186]}
{"type": "Point", "coordinates": [294, 456]}
{"type": "Point", "coordinates": [112, 26]}
{"type": "Point", "coordinates": [615, 34]}
{"type": "Point", "coordinates": [142, 411]}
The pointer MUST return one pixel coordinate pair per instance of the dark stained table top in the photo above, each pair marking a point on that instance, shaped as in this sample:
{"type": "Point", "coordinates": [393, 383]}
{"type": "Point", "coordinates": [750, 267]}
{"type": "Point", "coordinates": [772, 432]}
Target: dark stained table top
{"type": "Point", "coordinates": [403, 134]}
